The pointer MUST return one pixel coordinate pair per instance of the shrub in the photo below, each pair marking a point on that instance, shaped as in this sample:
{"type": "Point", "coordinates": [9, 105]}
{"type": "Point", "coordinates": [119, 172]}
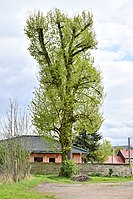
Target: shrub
{"type": "Point", "coordinates": [14, 161]}
{"type": "Point", "coordinates": [97, 174]}
{"type": "Point", "coordinates": [68, 168]}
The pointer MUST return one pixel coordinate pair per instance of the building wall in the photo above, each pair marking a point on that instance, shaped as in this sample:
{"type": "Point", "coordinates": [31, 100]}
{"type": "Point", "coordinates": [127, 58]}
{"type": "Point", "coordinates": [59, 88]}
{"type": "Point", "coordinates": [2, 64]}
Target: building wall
{"type": "Point", "coordinates": [127, 161]}
{"type": "Point", "coordinates": [77, 158]}
{"type": "Point", "coordinates": [46, 157]}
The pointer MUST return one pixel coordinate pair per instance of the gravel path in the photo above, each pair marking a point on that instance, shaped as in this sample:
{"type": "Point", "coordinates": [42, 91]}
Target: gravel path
{"type": "Point", "coordinates": [92, 191]}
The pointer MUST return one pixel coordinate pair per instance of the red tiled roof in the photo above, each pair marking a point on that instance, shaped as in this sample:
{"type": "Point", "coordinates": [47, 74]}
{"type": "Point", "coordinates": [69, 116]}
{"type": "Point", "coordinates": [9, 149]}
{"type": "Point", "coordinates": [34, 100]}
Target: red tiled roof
{"type": "Point", "coordinates": [125, 153]}
{"type": "Point", "coordinates": [115, 160]}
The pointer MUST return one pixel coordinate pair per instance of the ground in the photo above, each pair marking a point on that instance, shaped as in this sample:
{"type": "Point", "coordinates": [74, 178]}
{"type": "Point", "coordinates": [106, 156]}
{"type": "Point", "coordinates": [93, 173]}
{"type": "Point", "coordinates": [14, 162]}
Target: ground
{"type": "Point", "coordinates": [92, 190]}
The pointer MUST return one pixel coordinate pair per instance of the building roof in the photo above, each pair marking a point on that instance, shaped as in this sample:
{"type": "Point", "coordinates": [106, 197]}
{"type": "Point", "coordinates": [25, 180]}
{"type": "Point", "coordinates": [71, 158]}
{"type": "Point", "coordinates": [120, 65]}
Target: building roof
{"type": "Point", "coordinates": [115, 160]}
{"type": "Point", "coordinates": [37, 144]}
{"type": "Point", "coordinates": [125, 153]}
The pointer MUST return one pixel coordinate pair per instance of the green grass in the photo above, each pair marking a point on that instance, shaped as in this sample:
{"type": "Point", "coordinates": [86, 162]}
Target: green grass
{"type": "Point", "coordinates": [95, 179]}
{"type": "Point", "coordinates": [26, 188]}
{"type": "Point", "coordinates": [99, 179]}
{"type": "Point", "coordinates": [55, 179]}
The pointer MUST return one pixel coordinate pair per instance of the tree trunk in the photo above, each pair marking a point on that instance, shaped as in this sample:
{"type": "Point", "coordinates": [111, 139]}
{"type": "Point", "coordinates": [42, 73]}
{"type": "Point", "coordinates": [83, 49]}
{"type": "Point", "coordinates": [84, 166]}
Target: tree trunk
{"type": "Point", "coordinates": [66, 132]}
{"type": "Point", "coordinates": [67, 155]}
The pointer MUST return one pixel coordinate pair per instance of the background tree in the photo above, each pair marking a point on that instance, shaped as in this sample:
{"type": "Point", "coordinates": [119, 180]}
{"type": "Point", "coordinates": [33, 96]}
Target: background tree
{"type": "Point", "coordinates": [89, 142]}
{"type": "Point", "coordinates": [14, 160]}
{"type": "Point", "coordinates": [116, 149]}
{"type": "Point", "coordinates": [70, 92]}
{"type": "Point", "coordinates": [16, 122]}
{"type": "Point", "coordinates": [105, 150]}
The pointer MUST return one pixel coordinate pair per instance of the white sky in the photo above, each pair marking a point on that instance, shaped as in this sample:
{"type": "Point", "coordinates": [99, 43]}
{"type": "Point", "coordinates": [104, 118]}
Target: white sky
{"type": "Point", "coordinates": [113, 24]}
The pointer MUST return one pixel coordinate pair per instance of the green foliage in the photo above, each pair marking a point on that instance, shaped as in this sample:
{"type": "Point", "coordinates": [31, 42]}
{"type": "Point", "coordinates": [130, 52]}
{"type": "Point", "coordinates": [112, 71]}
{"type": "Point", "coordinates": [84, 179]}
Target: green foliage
{"type": "Point", "coordinates": [14, 159]}
{"type": "Point", "coordinates": [70, 92]}
{"type": "Point", "coordinates": [2, 152]}
{"type": "Point", "coordinates": [116, 150]}
{"type": "Point", "coordinates": [12, 153]}
{"type": "Point", "coordinates": [89, 142]}
{"type": "Point", "coordinates": [103, 151]}
{"type": "Point", "coordinates": [68, 168]}
{"type": "Point", "coordinates": [24, 189]}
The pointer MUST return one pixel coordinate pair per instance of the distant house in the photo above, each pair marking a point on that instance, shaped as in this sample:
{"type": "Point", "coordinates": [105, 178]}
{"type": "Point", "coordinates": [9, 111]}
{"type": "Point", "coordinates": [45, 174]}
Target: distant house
{"type": "Point", "coordinates": [124, 154]}
{"type": "Point", "coordinates": [114, 160]}
{"type": "Point", "coordinates": [121, 158]}
{"type": "Point", "coordinates": [42, 151]}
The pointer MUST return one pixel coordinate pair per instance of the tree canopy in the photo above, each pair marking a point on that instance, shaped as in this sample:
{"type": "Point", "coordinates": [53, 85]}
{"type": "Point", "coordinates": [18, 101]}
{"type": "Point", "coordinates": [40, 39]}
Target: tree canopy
{"type": "Point", "coordinates": [116, 149]}
{"type": "Point", "coordinates": [70, 92]}
{"type": "Point", "coordinates": [105, 149]}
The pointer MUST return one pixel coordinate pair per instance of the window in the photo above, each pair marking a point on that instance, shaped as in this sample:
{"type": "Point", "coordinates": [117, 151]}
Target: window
{"type": "Point", "coordinates": [38, 159]}
{"type": "Point", "coordinates": [51, 159]}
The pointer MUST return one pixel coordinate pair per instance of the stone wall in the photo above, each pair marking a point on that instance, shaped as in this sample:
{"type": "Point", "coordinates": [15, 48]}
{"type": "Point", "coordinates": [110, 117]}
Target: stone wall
{"type": "Point", "coordinates": [45, 168]}
{"type": "Point", "coordinates": [88, 169]}
{"type": "Point", "coordinates": [104, 169]}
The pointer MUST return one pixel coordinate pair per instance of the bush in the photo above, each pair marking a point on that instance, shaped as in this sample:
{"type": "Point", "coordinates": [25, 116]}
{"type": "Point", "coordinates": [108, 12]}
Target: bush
{"type": "Point", "coordinates": [68, 168]}
{"type": "Point", "coordinates": [97, 174]}
{"type": "Point", "coordinates": [14, 161]}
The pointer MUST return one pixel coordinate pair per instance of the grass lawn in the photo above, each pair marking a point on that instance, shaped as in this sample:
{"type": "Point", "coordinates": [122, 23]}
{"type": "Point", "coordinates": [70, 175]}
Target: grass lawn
{"type": "Point", "coordinates": [95, 179]}
{"type": "Point", "coordinates": [25, 189]}
{"type": "Point", "coordinates": [99, 179]}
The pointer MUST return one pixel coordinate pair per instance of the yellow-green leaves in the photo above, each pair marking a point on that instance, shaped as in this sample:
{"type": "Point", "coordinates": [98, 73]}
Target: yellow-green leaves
{"type": "Point", "coordinates": [70, 91]}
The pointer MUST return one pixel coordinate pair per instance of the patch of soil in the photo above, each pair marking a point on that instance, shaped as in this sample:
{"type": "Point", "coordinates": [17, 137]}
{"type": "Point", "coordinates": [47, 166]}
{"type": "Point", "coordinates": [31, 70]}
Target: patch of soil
{"type": "Point", "coordinates": [85, 191]}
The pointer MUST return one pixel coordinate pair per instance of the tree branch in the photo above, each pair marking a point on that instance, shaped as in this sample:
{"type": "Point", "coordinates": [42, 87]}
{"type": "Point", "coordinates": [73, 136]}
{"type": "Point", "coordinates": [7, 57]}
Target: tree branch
{"type": "Point", "coordinates": [57, 130]}
{"type": "Point", "coordinates": [81, 50]}
{"type": "Point", "coordinates": [78, 45]}
{"type": "Point", "coordinates": [62, 43]}
{"type": "Point", "coordinates": [82, 116]}
{"type": "Point", "coordinates": [70, 58]}
{"type": "Point", "coordinates": [96, 90]}
{"type": "Point", "coordinates": [83, 29]}
{"type": "Point", "coordinates": [43, 46]}
{"type": "Point", "coordinates": [89, 97]}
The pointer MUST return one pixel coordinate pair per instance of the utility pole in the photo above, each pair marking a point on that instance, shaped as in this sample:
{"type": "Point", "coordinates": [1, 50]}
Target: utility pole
{"type": "Point", "coordinates": [112, 155]}
{"type": "Point", "coordinates": [129, 150]}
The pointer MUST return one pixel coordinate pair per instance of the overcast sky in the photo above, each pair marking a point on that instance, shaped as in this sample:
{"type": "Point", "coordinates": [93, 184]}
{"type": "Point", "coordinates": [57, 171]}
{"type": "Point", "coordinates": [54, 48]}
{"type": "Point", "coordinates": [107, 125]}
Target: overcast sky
{"type": "Point", "coordinates": [113, 24]}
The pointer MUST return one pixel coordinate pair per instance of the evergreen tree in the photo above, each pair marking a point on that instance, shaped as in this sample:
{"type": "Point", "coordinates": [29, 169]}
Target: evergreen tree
{"type": "Point", "coordinates": [89, 142]}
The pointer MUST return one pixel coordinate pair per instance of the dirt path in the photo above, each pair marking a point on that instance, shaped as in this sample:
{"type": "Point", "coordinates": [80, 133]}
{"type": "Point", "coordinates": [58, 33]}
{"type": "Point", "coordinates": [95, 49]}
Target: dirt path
{"type": "Point", "coordinates": [92, 191]}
